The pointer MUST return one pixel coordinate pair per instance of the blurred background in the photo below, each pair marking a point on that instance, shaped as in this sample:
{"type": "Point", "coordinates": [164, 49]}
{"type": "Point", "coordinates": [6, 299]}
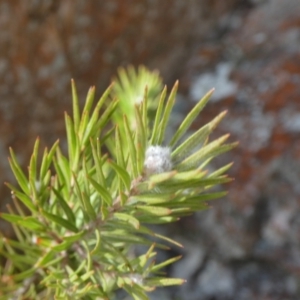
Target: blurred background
{"type": "Point", "coordinates": [248, 246]}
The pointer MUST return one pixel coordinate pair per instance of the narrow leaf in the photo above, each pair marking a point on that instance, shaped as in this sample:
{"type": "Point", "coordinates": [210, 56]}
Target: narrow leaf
{"type": "Point", "coordinates": [128, 218]}
{"type": "Point", "coordinates": [75, 102]}
{"type": "Point", "coordinates": [19, 175]}
{"type": "Point", "coordinates": [158, 178]}
{"type": "Point", "coordinates": [119, 147]}
{"type": "Point", "coordinates": [86, 111]}
{"type": "Point", "coordinates": [220, 171]}
{"type": "Point", "coordinates": [26, 200]}
{"type": "Point", "coordinates": [190, 118]}
{"type": "Point", "coordinates": [193, 160]}
{"type": "Point", "coordinates": [153, 198]}
{"type": "Point", "coordinates": [105, 117]}
{"type": "Point", "coordinates": [33, 162]}
{"type": "Point", "coordinates": [141, 139]}
{"type": "Point", "coordinates": [122, 173]}
{"type": "Point", "coordinates": [60, 221]}
{"type": "Point", "coordinates": [165, 118]}
{"type": "Point", "coordinates": [28, 222]}
{"type": "Point", "coordinates": [64, 205]}
{"type": "Point", "coordinates": [155, 131]}
{"type": "Point", "coordinates": [90, 210]}
{"type": "Point", "coordinates": [157, 267]}
{"type": "Point", "coordinates": [73, 143]}
{"type": "Point", "coordinates": [132, 149]}
{"type": "Point", "coordinates": [98, 241]}
{"type": "Point", "coordinates": [196, 139]}
{"type": "Point", "coordinates": [153, 210]}
{"type": "Point", "coordinates": [47, 159]}
{"type": "Point", "coordinates": [92, 127]}
{"type": "Point", "coordinates": [164, 281]}
{"type": "Point", "coordinates": [98, 159]}
{"type": "Point", "coordinates": [102, 191]}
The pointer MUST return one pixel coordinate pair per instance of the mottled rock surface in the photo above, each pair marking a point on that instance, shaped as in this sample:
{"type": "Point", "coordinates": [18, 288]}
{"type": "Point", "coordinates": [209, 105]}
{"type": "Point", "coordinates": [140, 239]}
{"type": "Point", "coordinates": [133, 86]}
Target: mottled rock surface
{"type": "Point", "coordinates": [248, 246]}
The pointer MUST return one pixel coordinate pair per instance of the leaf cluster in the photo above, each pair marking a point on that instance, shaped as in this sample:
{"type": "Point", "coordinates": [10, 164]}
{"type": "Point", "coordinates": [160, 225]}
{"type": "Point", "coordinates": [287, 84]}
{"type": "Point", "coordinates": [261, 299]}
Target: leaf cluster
{"type": "Point", "coordinates": [89, 207]}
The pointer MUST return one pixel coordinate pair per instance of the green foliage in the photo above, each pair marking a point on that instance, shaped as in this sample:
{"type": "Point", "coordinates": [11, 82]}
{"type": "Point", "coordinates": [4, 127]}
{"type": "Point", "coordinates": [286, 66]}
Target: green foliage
{"type": "Point", "coordinates": [129, 89]}
{"type": "Point", "coordinates": [87, 209]}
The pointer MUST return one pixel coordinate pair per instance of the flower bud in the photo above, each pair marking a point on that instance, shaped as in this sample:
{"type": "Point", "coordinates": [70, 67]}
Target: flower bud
{"type": "Point", "coordinates": [157, 160]}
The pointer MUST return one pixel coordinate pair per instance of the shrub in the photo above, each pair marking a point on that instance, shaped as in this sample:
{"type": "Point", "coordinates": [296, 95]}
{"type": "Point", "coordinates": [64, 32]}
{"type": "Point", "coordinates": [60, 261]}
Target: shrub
{"type": "Point", "coordinates": [76, 216]}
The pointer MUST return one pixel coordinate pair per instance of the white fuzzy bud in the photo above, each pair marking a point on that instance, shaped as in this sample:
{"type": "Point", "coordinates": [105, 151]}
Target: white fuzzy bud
{"type": "Point", "coordinates": [136, 278]}
{"type": "Point", "coordinates": [157, 160]}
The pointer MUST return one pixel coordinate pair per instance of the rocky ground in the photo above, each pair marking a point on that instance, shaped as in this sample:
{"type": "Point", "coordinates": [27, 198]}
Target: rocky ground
{"type": "Point", "coordinates": [248, 246]}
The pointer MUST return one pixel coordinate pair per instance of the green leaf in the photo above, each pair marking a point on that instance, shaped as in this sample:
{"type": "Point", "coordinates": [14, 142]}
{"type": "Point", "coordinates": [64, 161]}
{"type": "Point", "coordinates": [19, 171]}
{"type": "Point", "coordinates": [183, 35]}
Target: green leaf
{"type": "Point", "coordinates": [141, 137]}
{"type": "Point", "coordinates": [13, 246]}
{"type": "Point", "coordinates": [96, 149]}
{"type": "Point", "coordinates": [167, 239]}
{"type": "Point", "coordinates": [198, 199]}
{"type": "Point", "coordinates": [73, 143]}
{"type": "Point", "coordinates": [153, 210]}
{"type": "Point", "coordinates": [79, 196]}
{"type": "Point", "coordinates": [47, 159]}
{"type": "Point", "coordinates": [62, 167]}
{"type": "Point", "coordinates": [75, 237]}
{"type": "Point", "coordinates": [146, 219]}
{"type": "Point", "coordinates": [190, 118]}
{"type": "Point", "coordinates": [130, 88]}
{"type": "Point", "coordinates": [196, 139]}
{"type": "Point", "coordinates": [23, 275]}
{"type": "Point", "coordinates": [158, 178]}
{"type": "Point", "coordinates": [98, 242]}
{"type": "Point", "coordinates": [143, 259]}
{"type": "Point", "coordinates": [60, 221]}
{"type": "Point", "coordinates": [147, 231]}
{"type": "Point", "coordinates": [75, 102]}
{"type": "Point", "coordinates": [157, 267]}
{"type": "Point", "coordinates": [33, 162]}
{"type": "Point", "coordinates": [128, 218]}
{"type": "Point", "coordinates": [101, 191]}
{"type": "Point", "coordinates": [197, 183]}
{"type": "Point", "coordinates": [165, 119]}
{"type": "Point", "coordinates": [121, 239]}
{"type": "Point", "coordinates": [90, 210]}
{"type": "Point", "coordinates": [19, 175]}
{"type": "Point", "coordinates": [119, 147]}
{"type": "Point", "coordinates": [86, 111]}
{"type": "Point", "coordinates": [68, 241]}
{"type": "Point", "coordinates": [92, 127]}
{"type": "Point", "coordinates": [220, 150]}
{"type": "Point", "coordinates": [189, 175]}
{"type": "Point", "coordinates": [144, 113]}
{"type": "Point", "coordinates": [64, 205]}
{"type": "Point", "coordinates": [124, 176]}
{"type": "Point", "coordinates": [32, 223]}
{"type": "Point", "coordinates": [207, 151]}
{"type": "Point", "coordinates": [132, 148]}
{"type": "Point", "coordinates": [62, 246]}
{"type": "Point", "coordinates": [136, 292]}
{"type": "Point", "coordinates": [155, 131]}
{"type": "Point", "coordinates": [26, 200]}
{"type": "Point", "coordinates": [220, 171]}
{"type": "Point", "coordinates": [45, 259]}
{"type": "Point", "coordinates": [153, 198]}
{"type": "Point", "coordinates": [105, 117]}
{"type": "Point", "coordinates": [157, 281]}
{"type": "Point", "coordinates": [28, 222]}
